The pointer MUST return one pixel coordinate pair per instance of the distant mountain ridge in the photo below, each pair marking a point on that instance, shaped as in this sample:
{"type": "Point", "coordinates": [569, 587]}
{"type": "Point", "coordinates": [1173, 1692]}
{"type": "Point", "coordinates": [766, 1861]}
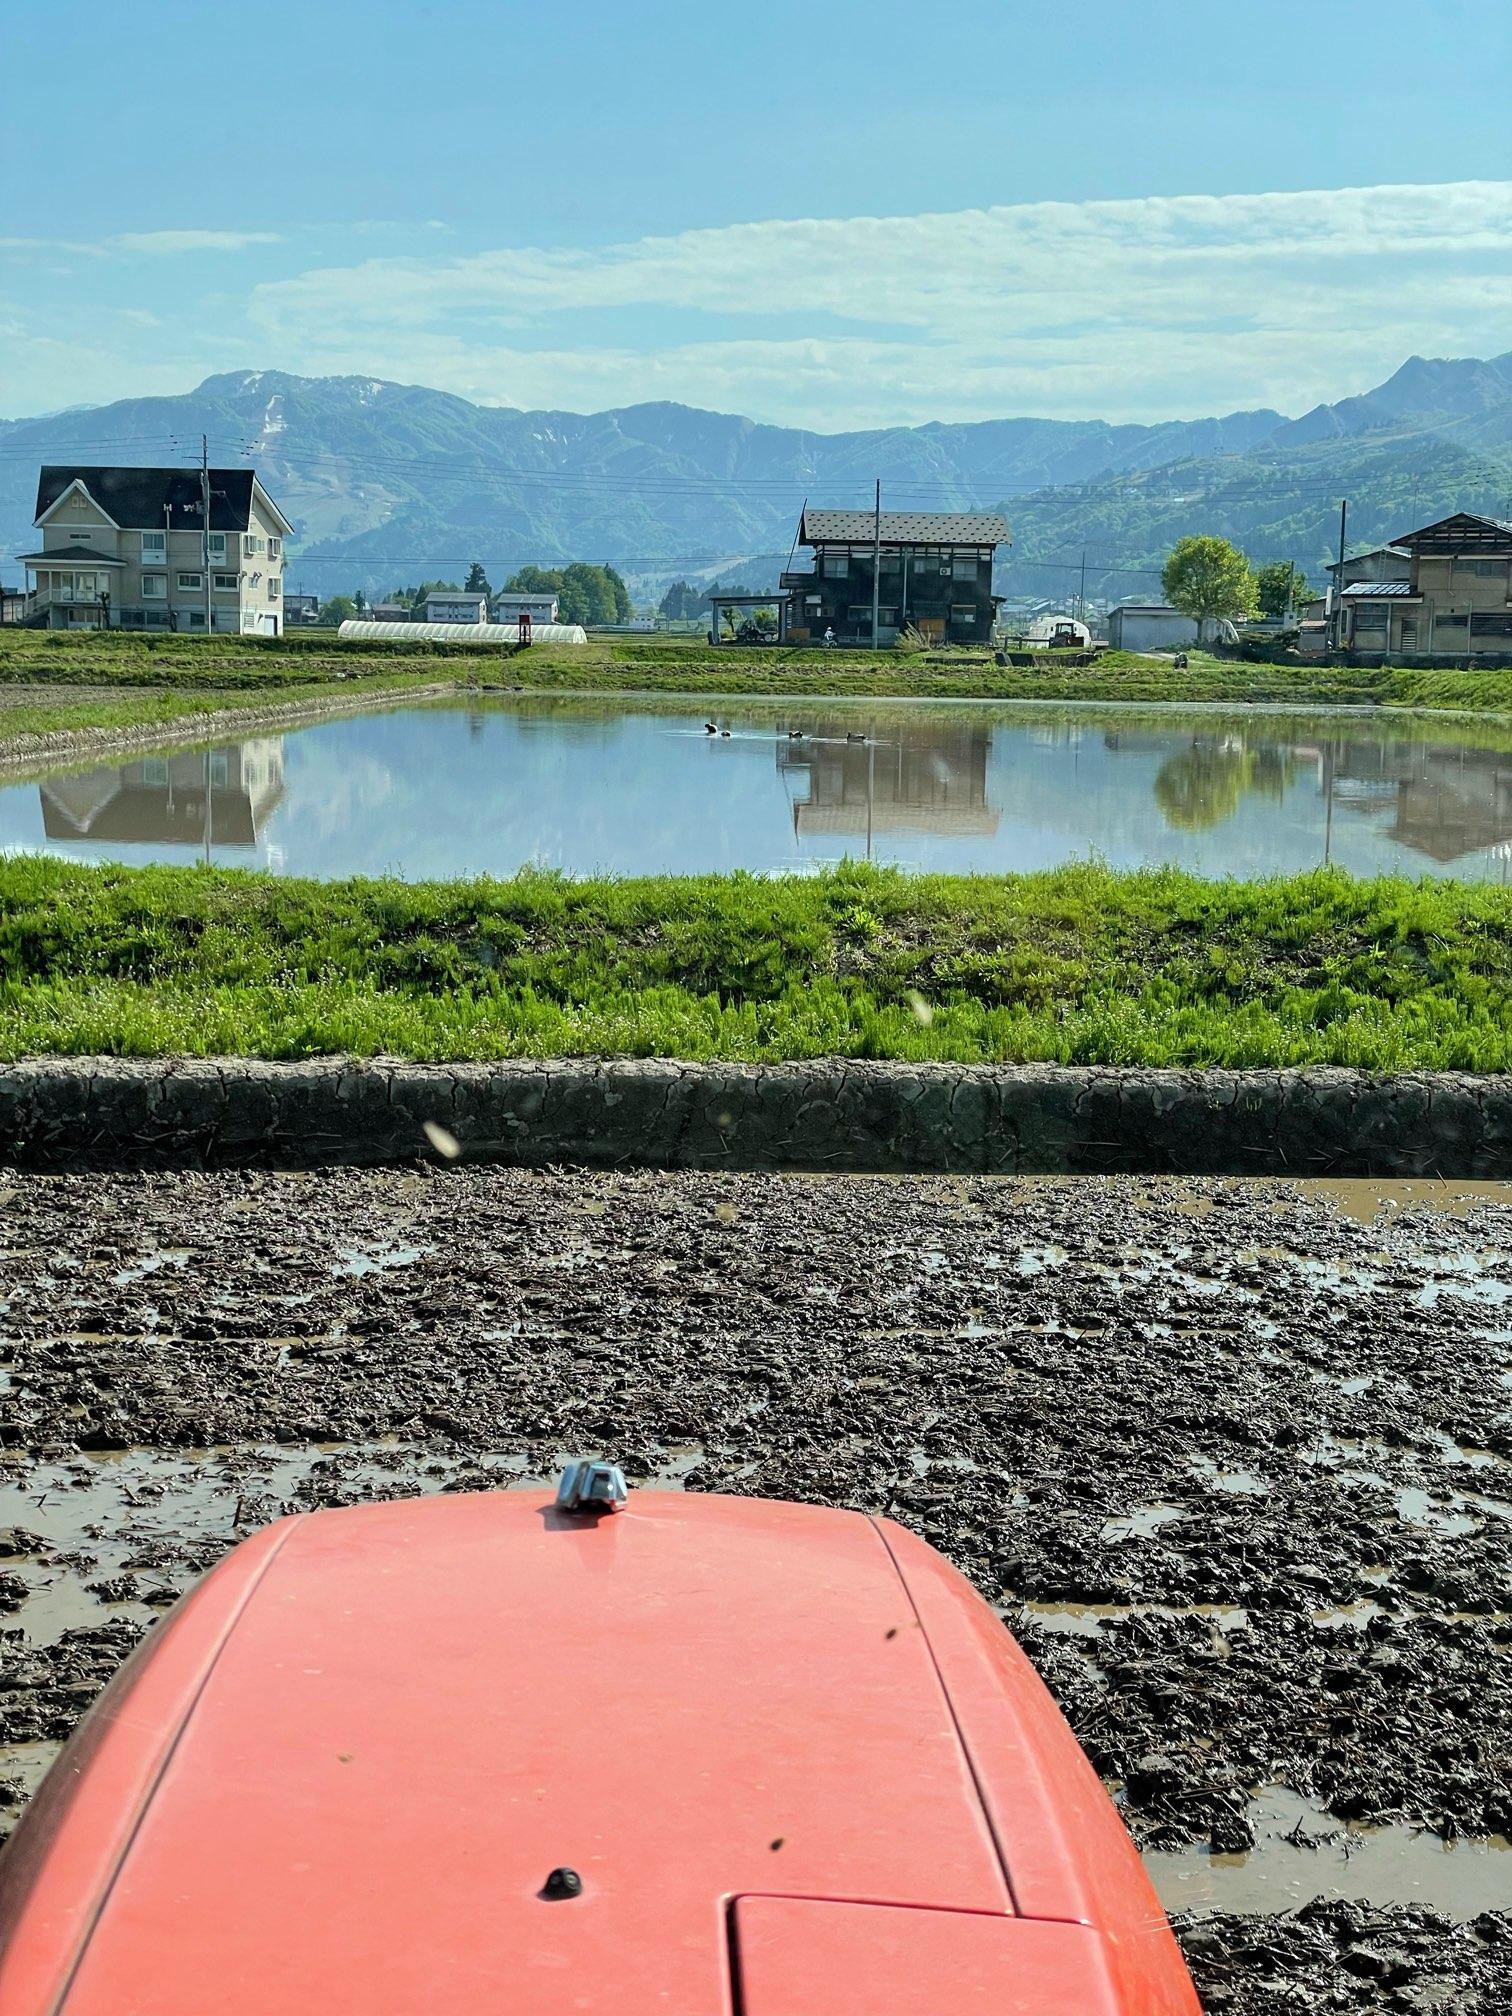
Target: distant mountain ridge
{"type": "Point", "coordinates": [391, 482]}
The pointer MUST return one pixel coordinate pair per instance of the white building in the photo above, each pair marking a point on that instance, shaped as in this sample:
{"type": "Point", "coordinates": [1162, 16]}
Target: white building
{"type": "Point", "coordinates": [510, 604]}
{"type": "Point", "coordinates": [455, 605]}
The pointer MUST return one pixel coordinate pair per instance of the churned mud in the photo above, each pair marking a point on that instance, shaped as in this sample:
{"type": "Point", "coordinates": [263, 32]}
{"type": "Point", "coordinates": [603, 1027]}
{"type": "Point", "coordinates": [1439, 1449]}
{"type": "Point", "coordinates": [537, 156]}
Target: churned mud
{"type": "Point", "coordinates": [1234, 1460]}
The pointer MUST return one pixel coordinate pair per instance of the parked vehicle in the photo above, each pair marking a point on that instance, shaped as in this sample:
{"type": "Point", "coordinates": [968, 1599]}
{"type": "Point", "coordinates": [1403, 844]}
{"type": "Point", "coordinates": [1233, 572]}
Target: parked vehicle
{"type": "Point", "coordinates": [491, 1752]}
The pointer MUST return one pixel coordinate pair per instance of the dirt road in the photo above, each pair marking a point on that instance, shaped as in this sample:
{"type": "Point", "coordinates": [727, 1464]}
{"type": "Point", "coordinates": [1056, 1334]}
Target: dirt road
{"type": "Point", "coordinates": [1234, 1460]}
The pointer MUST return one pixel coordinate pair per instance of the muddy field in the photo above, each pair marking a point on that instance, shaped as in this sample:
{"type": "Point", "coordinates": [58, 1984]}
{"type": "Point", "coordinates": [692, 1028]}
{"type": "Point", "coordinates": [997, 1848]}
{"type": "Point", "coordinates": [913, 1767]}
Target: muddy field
{"type": "Point", "coordinates": [1234, 1460]}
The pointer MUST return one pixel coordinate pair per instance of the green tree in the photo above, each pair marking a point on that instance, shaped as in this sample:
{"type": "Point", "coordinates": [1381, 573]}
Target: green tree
{"type": "Point", "coordinates": [585, 594]}
{"type": "Point", "coordinates": [534, 581]}
{"type": "Point", "coordinates": [1281, 588]}
{"type": "Point", "coordinates": [338, 609]}
{"type": "Point", "coordinates": [681, 601]}
{"type": "Point", "coordinates": [477, 580]}
{"type": "Point", "coordinates": [1208, 579]}
{"type": "Point", "coordinates": [624, 608]}
{"type": "Point", "coordinates": [361, 601]}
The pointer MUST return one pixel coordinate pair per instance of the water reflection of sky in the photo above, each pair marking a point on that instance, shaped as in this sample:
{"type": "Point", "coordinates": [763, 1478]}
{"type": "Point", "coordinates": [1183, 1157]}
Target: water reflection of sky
{"type": "Point", "coordinates": [444, 791]}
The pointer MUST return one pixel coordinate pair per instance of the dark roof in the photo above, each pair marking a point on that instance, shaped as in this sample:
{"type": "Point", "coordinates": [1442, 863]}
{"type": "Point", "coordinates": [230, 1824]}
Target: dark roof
{"type": "Point", "coordinates": [1375, 553]}
{"type": "Point", "coordinates": [905, 528]}
{"type": "Point", "coordinates": [137, 498]}
{"type": "Point", "coordinates": [64, 556]}
{"type": "Point", "coordinates": [1461, 532]}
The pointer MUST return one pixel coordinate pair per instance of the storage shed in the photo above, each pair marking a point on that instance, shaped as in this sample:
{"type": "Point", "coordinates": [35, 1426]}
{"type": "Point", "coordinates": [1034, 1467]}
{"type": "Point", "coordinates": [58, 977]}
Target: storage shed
{"type": "Point", "coordinates": [1150, 626]}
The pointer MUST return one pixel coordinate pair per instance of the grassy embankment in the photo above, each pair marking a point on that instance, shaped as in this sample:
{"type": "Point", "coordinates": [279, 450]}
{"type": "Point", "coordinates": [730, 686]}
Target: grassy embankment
{"type": "Point", "coordinates": [55, 681]}
{"type": "Point", "coordinates": [1080, 965]}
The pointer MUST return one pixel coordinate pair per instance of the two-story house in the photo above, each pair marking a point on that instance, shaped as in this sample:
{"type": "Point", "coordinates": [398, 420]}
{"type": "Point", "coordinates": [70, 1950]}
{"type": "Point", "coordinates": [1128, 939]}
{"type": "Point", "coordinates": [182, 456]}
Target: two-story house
{"type": "Point", "coordinates": [455, 605]}
{"type": "Point", "coordinates": [1441, 593]}
{"type": "Point", "coordinates": [129, 549]}
{"type": "Point", "coordinates": [935, 576]}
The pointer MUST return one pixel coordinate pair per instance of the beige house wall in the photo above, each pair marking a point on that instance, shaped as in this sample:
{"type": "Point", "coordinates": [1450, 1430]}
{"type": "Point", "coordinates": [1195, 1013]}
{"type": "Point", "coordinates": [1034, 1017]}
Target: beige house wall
{"type": "Point", "coordinates": [77, 521]}
{"type": "Point", "coordinates": [1457, 584]}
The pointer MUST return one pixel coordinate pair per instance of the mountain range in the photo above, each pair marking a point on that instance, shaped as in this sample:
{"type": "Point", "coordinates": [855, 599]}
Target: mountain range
{"type": "Point", "coordinates": [392, 483]}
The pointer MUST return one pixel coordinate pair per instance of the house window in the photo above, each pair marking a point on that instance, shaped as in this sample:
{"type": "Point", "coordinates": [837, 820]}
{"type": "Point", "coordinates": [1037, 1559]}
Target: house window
{"type": "Point", "coordinates": [963, 612]}
{"type": "Point", "coordinates": [216, 544]}
{"type": "Point", "coordinates": [275, 549]}
{"type": "Point", "coordinates": [191, 580]}
{"type": "Point", "coordinates": [155, 771]}
{"type": "Point", "coordinates": [1488, 570]}
{"type": "Point", "coordinates": [227, 583]}
{"type": "Point", "coordinates": [220, 768]}
{"type": "Point", "coordinates": [963, 566]}
{"type": "Point", "coordinates": [273, 587]}
{"type": "Point", "coordinates": [859, 613]}
{"type": "Point", "coordinates": [154, 546]}
{"type": "Point", "coordinates": [252, 544]}
{"type": "Point", "coordinates": [154, 587]}
{"type": "Point", "coordinates": [836, 566]}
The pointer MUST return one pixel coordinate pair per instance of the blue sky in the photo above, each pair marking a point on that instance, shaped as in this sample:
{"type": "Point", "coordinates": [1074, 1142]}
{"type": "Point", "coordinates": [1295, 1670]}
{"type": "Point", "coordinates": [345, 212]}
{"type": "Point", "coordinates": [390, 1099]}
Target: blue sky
{"type": "Point", "coordinates": [828, 214]}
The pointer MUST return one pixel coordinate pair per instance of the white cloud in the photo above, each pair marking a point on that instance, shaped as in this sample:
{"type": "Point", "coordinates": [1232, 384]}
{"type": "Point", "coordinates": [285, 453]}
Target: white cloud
{"type": "Point", "coordinates": [159, 242]}
{"type": "Point", "coordinates": [1158, 305]}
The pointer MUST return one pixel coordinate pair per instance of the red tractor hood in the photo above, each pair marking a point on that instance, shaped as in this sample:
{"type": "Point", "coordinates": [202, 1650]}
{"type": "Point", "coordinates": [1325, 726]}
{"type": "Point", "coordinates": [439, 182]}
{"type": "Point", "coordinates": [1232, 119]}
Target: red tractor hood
{"type": "Point", "coordinates": [339, 1779]}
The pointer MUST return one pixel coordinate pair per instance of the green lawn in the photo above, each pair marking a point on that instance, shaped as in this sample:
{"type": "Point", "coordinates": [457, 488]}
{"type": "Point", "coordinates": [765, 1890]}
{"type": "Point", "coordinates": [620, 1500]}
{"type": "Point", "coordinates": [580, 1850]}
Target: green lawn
{"type": "Point", "coordinates": [1081, 965]}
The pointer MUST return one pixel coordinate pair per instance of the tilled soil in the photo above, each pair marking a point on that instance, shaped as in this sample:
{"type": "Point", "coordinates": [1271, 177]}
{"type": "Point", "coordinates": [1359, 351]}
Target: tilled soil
{"type": "Point", "coordinates": [1233, 1459]}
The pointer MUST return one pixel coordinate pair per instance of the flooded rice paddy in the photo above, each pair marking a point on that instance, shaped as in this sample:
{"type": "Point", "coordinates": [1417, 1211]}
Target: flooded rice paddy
{"type": "Point", "coordinates": [641, 787]}
{"type": "Point", "coordinates": [1219, 1454]}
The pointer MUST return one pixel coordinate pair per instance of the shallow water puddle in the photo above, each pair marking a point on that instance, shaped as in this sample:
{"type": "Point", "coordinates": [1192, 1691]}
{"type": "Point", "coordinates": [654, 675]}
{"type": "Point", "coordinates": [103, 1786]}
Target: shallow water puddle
{"type": "Point", "coordinates": [150, 1516]}
{"type": "Point", "coordinates": [1143, 1521]}
{"type": "Point", "coordinates": [167, 1256]}
{"type": "Point", "coordinates": [1303, 1853]}
{"type": "Point", "coordinates": [1236, 1483]}
{"type": "Point", "coordinates": [1090, 1620]}
{"type": "Point", "coordinates": [358, 1260]}
{"type": "Point", "coordinates": [1367, 1199]}
{"type": "Point", "coordinates": [1362, 1611]}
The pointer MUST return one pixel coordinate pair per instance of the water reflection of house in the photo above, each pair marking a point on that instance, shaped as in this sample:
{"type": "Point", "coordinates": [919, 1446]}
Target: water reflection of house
{"type": "Point", "coordinates": [1438, 800]}
{"type": "Point", "coordinates": [1447, 802]}
{"type": "Point", "coordinates": [925, 778]}
{"type": "Point", "coordinates": [217, 797]}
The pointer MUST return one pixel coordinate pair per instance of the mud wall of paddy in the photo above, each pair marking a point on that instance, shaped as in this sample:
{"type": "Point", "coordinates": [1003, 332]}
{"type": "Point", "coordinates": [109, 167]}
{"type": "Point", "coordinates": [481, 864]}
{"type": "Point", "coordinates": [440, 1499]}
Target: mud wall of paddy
{"type": "Point", "coordinates": [836, 1115]}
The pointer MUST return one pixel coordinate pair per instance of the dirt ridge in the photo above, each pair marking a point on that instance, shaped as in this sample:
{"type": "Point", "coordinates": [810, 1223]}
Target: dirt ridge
{"type": "Point", "coordinates": [838, 1115]}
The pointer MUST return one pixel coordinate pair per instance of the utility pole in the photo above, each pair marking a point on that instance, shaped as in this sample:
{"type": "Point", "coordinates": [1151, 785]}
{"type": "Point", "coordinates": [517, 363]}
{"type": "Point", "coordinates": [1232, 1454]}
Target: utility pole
{"type": "Point", "coordinates": [1338, 624]}
{"type": "Point", "coordinates": [877, 569]}
{"type": "Point", "coordinates": [1081, 604]}
{"type": "Point", "coordinates": [205, 531]}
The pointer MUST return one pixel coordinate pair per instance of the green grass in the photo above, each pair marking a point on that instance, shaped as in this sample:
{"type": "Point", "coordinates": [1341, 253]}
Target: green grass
{"type": "Point", "coordinates": [654, 664]}
{"type": "Point", "coordinates": [143, 707]}
{"type": "Point", "coordinates": [1081, 965]}
{"type": "Point", "coordinates": [156, 679]}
